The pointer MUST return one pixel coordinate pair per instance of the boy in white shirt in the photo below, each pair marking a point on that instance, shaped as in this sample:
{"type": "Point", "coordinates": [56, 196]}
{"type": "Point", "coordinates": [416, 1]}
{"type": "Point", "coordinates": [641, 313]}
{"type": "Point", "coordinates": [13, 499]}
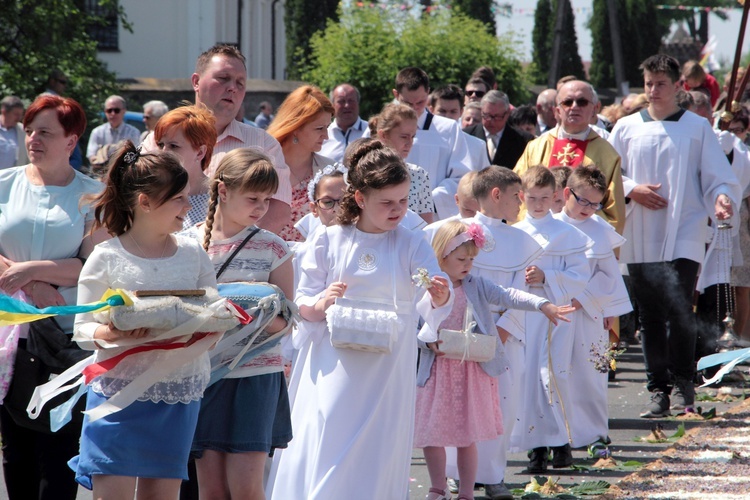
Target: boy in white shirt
{"type": "Point", "coordinates": [559, 274]}
{"type": "Point", "coordinates": [604, 298]}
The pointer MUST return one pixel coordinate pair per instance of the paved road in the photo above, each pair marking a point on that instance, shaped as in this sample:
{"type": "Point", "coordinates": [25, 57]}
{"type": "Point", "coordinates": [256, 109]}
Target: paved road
{"type": "Point", "coordinates": [626, 396]}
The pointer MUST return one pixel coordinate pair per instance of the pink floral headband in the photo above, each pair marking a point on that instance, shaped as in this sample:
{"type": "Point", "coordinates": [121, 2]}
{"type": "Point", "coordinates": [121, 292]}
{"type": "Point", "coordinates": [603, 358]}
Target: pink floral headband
{"type": "Point", "coordinates": [473, 233]}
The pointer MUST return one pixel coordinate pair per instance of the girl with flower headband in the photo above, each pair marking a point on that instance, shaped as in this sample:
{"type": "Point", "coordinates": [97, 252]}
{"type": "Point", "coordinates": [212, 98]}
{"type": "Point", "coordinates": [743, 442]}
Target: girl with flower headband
{"type": "Point", "coordinates": [457, 401]}
{"type": "Point", "coordinates": [324, 193]}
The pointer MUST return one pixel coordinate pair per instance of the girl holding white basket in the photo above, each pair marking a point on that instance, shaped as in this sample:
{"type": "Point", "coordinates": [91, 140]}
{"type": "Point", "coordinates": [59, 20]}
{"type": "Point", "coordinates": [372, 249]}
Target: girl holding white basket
{"type": "Point", "coordinates": [460, 362]}
{"type": "Point", "coordinates": [353, 412]}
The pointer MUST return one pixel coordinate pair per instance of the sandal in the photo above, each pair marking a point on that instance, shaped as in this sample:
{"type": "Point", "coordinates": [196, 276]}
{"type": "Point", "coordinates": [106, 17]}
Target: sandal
{"type": "Point", "coordinates": [438, 494]}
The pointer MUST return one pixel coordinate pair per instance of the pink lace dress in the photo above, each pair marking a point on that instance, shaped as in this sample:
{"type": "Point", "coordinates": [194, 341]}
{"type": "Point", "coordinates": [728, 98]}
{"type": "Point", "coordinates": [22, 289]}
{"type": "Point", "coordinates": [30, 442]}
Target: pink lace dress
{"type": "Point", "coordinates": [459, 405]}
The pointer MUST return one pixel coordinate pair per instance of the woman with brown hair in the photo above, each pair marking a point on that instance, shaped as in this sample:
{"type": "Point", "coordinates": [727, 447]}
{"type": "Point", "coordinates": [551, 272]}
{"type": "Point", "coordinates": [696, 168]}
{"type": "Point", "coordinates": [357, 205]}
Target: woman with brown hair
{"type": "Point", "coordinates": [301, 126]}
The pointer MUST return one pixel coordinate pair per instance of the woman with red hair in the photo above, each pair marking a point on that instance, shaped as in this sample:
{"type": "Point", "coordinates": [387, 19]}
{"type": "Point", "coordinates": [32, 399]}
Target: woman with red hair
{"type": "Point", "coordinates": [190, 133]}
{"type": "Point", "coordinates": [45, 236]}
{"type": "Point", "coordinates": [301, 126]}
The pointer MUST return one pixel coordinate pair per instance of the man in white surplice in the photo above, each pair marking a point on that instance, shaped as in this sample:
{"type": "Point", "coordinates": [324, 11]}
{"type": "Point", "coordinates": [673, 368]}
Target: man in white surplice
{"type": "Point", "coordinates": [440, 145]}
{"type": "Point", "coordinates": [675, 176]}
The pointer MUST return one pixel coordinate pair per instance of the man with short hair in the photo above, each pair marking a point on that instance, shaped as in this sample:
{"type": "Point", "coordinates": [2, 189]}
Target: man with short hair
{"type": "Point", "coordinates": [573, 143]}
{"type": "Point", "coordinates": [152, 111]}
{"type": "Point", "coordinates": [475, 89]}
{"type": "Point", "coordinates": [439, 147]}
{"type": "Point", "coordinates": [115, 130]}
{"type": "Point", "coordinates": [265, 116]}
{"type": "Point", "coordinates": [219, 84]}
{"type": "Point", "coordinates": [472, 115]}
{"type": "Point", "coordinates": [57, 82]}
{"type": "Point", "coordinates": [446, 102]}
{"type": "Point", "coordinates": [347, 126]}
{"type": "Point", "coordinates": [545, 110]}
{"type": "Point", "coordinates": [12, 137]}
{"type": "Point", "coordinates": [676, 175]}
{"type": "Point", "coordinates": [505, 144]}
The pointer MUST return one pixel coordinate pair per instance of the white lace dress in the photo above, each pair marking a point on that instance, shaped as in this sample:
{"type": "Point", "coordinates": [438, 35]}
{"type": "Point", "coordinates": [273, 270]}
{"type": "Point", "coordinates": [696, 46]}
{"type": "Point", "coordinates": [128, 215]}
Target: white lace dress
{"type": "Point", "coordinates": [111, 266]}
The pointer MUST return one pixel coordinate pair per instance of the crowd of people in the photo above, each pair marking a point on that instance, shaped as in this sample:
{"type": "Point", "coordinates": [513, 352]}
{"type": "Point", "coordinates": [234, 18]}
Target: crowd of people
{"type": "Point", "coordinates": [464, 270]}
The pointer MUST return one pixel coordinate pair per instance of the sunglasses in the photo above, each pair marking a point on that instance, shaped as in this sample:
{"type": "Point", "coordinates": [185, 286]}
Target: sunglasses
{"type": "Point", "coordinates": [327, 204]}
{"type": "Point", "coordinates": [586, 203]}
{"type": "Point", "coordinates": [581, 102]}
{"type": "Point", "coordinates": [64, 82]}
{"type": "Point", "coordinates": [113, 110]}
{"type": "Point", "coordinates": [478, 93]}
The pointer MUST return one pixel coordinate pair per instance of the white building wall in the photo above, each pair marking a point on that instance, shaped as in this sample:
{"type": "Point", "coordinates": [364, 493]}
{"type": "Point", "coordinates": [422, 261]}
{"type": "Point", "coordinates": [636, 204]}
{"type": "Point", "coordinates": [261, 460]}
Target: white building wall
{"type": "Point", "coordinates": [168, 36]}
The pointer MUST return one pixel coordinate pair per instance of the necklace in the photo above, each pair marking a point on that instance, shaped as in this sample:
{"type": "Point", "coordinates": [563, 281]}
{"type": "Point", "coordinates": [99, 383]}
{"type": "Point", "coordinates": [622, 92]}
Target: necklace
{"type": "Point", "coordinates": [143, 254]}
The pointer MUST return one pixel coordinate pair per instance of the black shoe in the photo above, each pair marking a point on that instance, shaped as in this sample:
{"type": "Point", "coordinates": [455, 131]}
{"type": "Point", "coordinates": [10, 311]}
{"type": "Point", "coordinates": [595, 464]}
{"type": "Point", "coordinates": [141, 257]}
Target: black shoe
{"type": "Point", "coordinates": [538, 458]}
{"type": "Point", "coordinates": [683, 394]}
{"type": "Point", "coordinates": [658, 407]}
{"type": "Point", "coordinates": [562, 457]}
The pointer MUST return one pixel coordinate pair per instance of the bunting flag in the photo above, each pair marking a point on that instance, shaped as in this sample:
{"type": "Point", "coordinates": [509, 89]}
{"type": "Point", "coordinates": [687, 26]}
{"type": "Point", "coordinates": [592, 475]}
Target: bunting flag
{"type": "Point", "coordinates": [16, 312]}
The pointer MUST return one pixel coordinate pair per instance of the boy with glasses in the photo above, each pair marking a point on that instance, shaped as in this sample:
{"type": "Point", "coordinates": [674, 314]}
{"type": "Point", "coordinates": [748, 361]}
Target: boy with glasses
{"type": "Point", "coordinates": [114, 131]}
{"type": "Point", "coordinates": [599, 304]}
{"type": "Point", "coordinates": [573, 143]}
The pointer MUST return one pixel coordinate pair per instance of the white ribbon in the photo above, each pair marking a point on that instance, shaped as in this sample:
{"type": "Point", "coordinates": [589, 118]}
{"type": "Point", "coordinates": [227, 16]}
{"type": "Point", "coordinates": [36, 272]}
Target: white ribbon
{"type": "Point", "coordinates": [469, 337]}
{"type": "Point", "coordinates": [43, 393]}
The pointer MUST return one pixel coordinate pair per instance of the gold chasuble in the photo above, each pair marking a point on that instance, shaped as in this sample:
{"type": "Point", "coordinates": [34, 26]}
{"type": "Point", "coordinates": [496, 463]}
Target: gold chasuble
{"type": "Point", "coordinates": [551, 151]}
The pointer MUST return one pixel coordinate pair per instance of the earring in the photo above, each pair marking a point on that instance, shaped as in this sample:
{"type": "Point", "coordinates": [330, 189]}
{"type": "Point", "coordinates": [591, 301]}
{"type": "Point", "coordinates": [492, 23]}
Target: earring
{"type": "Point", "coordinates": [295, 140]}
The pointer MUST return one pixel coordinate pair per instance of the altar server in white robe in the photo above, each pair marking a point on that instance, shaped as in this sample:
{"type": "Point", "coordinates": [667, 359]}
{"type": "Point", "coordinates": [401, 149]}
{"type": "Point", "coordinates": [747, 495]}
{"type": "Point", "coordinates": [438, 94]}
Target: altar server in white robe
{"type": "Point", "coordinates": [675, 175]}
{"type": "Point", "coordinates": [504, 259]}
{"type": "Point", "coordinates": [440, 145]}
{"type": "Point", "coordinates": [715, 269]}
{"type": "Point", "coordinates": [559, 274]}
{"type": "Point", "coordinates": [604, 298]}
{"type": "Point", "coordinates": [353, 415]}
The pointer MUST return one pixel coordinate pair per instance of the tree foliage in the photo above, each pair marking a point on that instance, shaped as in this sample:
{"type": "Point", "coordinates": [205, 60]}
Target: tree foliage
{"type": "Point", "coordinates": [543, 39]}
{"type": "Point", "coordinates": [541, 42]}
{"type": "Point", "coordinates": [481, 10]}
{"type": "Point", "coordinates": [38, 36]}
{"type": "Point", "coordinates": [635, 16]}
{"type": "Point", "coordinates": [303, 18]}
{"type": "Point", "coordinates": [368, 46]}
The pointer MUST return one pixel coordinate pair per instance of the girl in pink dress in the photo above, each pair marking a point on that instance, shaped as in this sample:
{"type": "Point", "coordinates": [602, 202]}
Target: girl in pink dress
{"type": "Point", "coordinates": [457, 401]}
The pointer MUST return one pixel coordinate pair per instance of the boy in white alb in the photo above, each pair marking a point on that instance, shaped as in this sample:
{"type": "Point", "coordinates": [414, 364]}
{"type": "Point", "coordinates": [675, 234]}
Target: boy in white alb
{"type": "Point", "coordinates": [604, 298]}
{"type": "Point", "coordinates": [506, 255]}
{"type": "Point", "coordinates": [559, 274]}
{"type": "Point", "coordinates": [675, 175]}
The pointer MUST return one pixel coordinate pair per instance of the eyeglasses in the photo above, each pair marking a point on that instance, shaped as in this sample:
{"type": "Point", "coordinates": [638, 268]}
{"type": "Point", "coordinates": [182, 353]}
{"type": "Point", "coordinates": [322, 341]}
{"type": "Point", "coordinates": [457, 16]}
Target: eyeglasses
{"type": "Point", "coordinates": [478, 93]}
{"type": "Point", "coordinates": [582, 102]}
{"type": "Point", "coordinates": [147, 117]}
{"type": "Point", "coordinates": [586, 203]}
{"type": "Point", "coordinates": [327, 204]}
{"type": "Point", "coordinates": [736, 130]}
{"type": "Point", "coordinates": [113, 110]}
{"type": "Point", "coordinates": [487, 116]}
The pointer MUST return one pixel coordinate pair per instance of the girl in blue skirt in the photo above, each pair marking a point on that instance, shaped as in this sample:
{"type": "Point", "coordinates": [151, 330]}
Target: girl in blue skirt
{"type": "Point", "coordinates": [147, 443]}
